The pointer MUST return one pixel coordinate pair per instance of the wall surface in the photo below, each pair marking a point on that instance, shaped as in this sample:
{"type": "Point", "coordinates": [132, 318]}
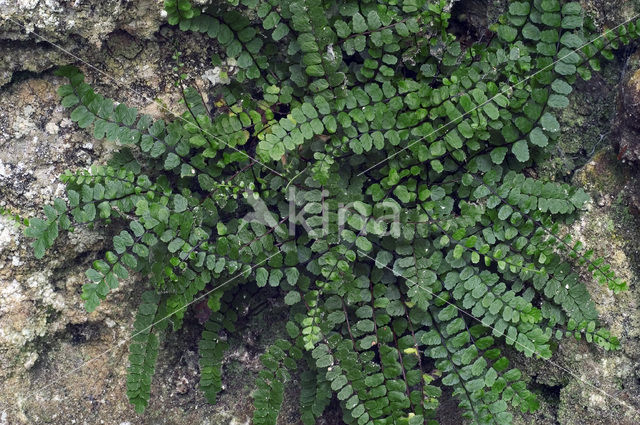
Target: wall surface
{"type": "Point", "coordinates": [46, 337]}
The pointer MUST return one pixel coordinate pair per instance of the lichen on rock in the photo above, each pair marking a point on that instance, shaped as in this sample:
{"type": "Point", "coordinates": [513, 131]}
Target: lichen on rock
{"type": "Point", "coordinates": [46, 336]}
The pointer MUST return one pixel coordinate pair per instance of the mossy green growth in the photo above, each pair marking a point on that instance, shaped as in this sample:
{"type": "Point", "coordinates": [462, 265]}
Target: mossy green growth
{"type": "Point", "coordinates": [368, 168]}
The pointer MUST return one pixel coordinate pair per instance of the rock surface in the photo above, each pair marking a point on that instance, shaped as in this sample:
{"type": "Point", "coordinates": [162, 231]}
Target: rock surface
{"type": "Point", "coordinates": [58, 364]}
{"type": "Point", "coordinates": [610, 13]}
{"type": "Point", "coordinates": [627, 143]}
{"type": "Point", "coordinates": [46, 336]}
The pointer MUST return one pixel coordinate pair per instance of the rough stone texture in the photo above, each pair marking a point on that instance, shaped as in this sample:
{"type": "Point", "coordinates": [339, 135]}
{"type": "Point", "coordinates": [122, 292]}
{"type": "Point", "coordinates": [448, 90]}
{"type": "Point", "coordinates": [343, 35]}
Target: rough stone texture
{"type": "Point", "coordinates": [600, 120]}
{"type": "Point", "coordinates": [628, 124]}
{"type": "Point", "coordinates": [613, 231]}
{"type": "Point", "coordinates": [610, 13]}
{"type": "Point", "coordinates": [57, 20]}
{"type": "Point", "coordinates": [45, 334]}
{"type": "Point", "coordinates": [587, 122]}
{"type": "Point", "coordinates": [78, 26]}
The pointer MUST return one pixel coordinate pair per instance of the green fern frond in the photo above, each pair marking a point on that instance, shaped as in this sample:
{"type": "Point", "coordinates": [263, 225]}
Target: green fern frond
{"type": "Point", "coordinates": [315, 396]}
{"type": "Point", "coordinates": [368, 169]}
{"type": "Point", "coordinates": [211, 351]}
{"type": "Point", "coordinates": [143, 352]}
{"type": "Point", "coordinates": [268, 397]}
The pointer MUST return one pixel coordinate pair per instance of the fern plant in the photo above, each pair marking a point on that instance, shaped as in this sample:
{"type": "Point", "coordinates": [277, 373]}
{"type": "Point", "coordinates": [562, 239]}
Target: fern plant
{"type": "Point", "coordinates": [372, 169]}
